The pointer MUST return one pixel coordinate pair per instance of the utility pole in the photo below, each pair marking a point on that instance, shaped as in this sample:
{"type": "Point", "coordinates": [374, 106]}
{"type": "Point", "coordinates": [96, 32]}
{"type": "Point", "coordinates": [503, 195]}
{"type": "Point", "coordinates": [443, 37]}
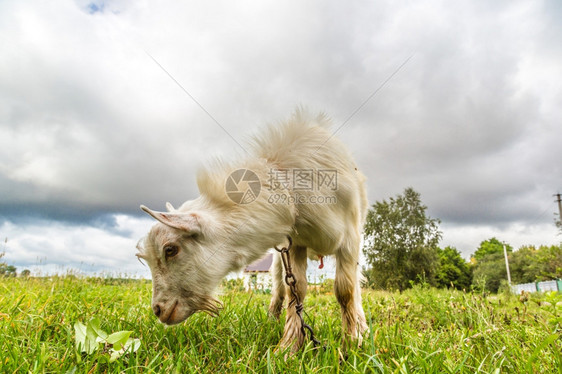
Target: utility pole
{"type": "Point", "coordinates": [559, 200]}
{"type": "Point", "coordinates": [506, 265]}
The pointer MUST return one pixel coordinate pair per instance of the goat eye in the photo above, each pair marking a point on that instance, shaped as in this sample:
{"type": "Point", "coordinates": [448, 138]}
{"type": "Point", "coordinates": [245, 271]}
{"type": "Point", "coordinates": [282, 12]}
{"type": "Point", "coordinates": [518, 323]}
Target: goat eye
{"type": "Point", "coordinates": [171, 251]}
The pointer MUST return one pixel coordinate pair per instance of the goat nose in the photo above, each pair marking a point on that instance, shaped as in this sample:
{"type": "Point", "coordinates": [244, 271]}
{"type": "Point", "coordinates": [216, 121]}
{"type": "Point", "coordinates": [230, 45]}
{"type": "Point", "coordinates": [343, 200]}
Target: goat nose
{"type": "Point", "coordinates": [157, 310]}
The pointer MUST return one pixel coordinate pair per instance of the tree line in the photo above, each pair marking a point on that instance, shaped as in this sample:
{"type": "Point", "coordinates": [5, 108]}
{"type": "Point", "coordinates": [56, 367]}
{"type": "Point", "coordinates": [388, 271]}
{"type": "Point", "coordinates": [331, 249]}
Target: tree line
{"type": "Point", "coordinates": [9, 270]}
{"type": "Point", "coordinates": [401, 246]}
{"type": "Point", "coordinates": [5, 269]}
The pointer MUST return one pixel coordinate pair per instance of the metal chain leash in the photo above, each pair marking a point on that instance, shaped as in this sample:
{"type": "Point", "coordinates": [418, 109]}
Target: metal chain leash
{"type": "Point", "coordinates": [291, 281]}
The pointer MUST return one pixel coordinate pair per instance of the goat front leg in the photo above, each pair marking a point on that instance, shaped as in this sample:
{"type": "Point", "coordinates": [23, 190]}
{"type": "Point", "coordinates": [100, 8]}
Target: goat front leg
{"type": "Point", "coordinates": [293, 336]}
{"type": "Point", "coordinates": [278, 291]}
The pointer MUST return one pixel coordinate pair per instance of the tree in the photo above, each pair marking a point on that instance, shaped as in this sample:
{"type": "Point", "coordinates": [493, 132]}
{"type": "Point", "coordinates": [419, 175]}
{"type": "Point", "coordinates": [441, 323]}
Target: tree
{"type": "Point", "coordinates": [5, 269]}
{"type": "Point", "coordinates": [400, 242]}
{"type": "Point", "coordinates": [523, 265]}
{"type": "Point", "coordinates": [490, 246]}
{"type": "Point", "coordinates": [491, 268]}
{"type": "Point", "coordinates": [453, 269]}
{"type": "Point", "coordinates": [529, 264]}
{"type": "Point", "coordinates": [550, 262]}
{"type": "Point", "coordinates": [25, 273]}
{"type": "Point", "coordinates": [489, 263]}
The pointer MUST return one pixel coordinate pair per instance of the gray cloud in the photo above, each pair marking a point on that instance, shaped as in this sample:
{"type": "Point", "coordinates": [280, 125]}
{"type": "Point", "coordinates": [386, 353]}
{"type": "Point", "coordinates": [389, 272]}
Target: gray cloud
{"type": "Point", "coordinates": [91, 126]}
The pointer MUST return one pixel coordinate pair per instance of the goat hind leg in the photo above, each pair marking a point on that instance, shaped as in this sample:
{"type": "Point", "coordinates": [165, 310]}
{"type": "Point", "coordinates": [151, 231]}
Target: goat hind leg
{"type": "Point", "coordinates": [348, 293]}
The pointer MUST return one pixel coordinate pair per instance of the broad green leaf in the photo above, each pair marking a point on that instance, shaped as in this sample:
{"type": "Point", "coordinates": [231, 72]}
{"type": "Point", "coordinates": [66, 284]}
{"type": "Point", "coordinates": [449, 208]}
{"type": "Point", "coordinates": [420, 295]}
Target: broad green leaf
{"type": "Point", "coordinates": [91, 343]}
{"type": "Point", "coordinates": [118, 339]}
{"type": "Point", "coordinates": [95, 326]}
{"type": "Point", "coordinates": [132, 345]}
{"type": "Point", "coordinates": [80, 330]}
{"type": "Point", "coordinates": [85, 338]}
{"type": "Point", "coordinates": [84, 341]}
{"type": "Point", "coordinates": [89, 338]}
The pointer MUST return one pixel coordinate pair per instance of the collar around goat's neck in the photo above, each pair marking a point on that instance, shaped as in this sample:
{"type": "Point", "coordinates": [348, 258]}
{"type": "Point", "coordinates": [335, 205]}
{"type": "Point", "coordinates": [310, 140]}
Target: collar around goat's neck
{"type": "Point", "coordinates": [287, 248]}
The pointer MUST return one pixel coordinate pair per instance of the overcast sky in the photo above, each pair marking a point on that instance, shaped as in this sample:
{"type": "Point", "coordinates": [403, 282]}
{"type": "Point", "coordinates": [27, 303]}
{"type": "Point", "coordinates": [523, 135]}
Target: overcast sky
{"type": "Point", "coordinates": [460, 100]}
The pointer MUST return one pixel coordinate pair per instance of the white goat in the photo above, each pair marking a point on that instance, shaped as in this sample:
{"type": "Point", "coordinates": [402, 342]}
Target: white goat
{"type": "Point", "coordinates": [300, 181]}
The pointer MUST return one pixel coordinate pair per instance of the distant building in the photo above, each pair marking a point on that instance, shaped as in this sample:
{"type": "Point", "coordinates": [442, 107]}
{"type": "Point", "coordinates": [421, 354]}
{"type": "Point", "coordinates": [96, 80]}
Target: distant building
{"type": "Point", "coordinates": [257, 275]}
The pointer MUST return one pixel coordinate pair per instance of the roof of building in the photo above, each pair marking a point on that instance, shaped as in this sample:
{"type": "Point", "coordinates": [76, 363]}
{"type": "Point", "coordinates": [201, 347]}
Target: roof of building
{"type": "Point", "coordinates": [261, 265]}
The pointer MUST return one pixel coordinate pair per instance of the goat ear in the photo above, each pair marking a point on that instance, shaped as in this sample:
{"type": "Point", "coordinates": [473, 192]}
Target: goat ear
{"type": "Point", "coordinates": [183, 221]}
{"type": "Point", "coordinates": [170, 207]}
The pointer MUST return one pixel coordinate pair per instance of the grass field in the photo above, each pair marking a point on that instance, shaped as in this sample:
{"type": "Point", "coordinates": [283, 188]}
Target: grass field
{"type": "Point", "coordinates": [420, 330]}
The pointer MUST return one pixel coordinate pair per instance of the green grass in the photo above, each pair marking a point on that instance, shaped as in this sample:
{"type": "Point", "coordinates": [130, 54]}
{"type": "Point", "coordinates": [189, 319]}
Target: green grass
{"type": "Point", "coordinates": [420, 330]}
